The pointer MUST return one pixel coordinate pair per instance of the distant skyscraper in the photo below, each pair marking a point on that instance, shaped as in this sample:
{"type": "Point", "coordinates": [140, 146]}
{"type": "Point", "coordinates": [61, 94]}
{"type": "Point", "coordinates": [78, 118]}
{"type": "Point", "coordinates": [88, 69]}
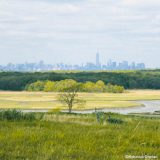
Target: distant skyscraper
{"type": "Point", "coordinates": [41, 66]}
{"type": "Point", "coordinates": [97, 60]}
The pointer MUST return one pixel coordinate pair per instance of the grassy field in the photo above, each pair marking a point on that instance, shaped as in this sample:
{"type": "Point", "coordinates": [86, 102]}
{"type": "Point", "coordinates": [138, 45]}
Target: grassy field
{"type": "Point", "coordinates": [41, 100]}
{"type": "Point", "coordinates": [79, 137]}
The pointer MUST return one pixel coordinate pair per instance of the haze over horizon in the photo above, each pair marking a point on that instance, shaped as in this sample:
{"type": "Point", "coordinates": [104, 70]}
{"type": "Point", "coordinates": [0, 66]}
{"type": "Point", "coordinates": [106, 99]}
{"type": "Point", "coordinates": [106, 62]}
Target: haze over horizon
{"type": "Point", "coordinates": [72, 31]}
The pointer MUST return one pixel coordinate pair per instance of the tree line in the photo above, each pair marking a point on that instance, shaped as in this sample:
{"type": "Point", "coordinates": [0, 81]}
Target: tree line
{"type": "Point", "coordinates": [147, 79]}
{"type": "Point", "coordinates": [63, 85]}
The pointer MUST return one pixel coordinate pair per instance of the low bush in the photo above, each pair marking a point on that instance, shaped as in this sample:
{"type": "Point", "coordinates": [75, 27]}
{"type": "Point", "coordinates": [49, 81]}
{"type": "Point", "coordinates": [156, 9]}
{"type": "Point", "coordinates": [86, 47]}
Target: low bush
{"type": "Point", "coordinates": [100, 116]}
{"type": "Point", "coordinates": [15, 115]}
{"type": "Point", "coordinates": [114, 120]}
{"type": "Point", "coordinates": [58, 86]}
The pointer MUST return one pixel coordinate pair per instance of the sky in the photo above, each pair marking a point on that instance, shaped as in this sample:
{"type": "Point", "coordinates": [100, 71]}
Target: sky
{"type": "Point", "coordinates": [73, 31]}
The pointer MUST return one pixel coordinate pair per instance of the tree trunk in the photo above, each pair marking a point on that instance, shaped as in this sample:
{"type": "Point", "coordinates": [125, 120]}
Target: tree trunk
{"type": "Point", "coordinates": [70, 108]}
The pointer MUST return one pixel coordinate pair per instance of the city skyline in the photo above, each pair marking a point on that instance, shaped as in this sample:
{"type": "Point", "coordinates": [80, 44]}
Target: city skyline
{"type": "Point", "coordinates": [97, 65]}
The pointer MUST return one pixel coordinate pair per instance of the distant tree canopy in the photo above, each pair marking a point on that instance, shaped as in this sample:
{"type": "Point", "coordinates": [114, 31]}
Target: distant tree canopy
{"type": "Point", "coordinates": [63, 85]}
{"type": "Point", "coordinates": [147, 79]}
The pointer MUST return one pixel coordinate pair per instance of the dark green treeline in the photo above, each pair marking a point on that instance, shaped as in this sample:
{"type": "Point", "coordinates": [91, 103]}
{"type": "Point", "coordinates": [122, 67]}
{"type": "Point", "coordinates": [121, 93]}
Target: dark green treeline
{"type": "Point", "coordinates": [147, 79]}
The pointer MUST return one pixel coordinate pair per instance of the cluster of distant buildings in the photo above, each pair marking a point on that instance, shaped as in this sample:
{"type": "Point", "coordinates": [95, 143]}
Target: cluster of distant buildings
{"type": "Point", "coordinates": [113, 65]}
{"type": "Point", "coordinates": [41, 66]}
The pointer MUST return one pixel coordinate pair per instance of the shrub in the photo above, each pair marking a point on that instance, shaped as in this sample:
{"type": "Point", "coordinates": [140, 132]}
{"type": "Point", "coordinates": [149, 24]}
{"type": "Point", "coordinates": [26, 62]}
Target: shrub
{"type": "Point", "coordinates": [36, 86]}
{"type": "Point", "coordinates": [100, 116]}
{"type": "Point", "coordinates": [49, 86]}
{"type": "Point", "coordinates": [10, 115]}
{"type": "Point", "coordinates": [15, 115]}
{"type": "Point", "coordinates": [58, 86]}
{"type": "Point", "coordinates": [114, 120]}
{"type": "Point", "coordinates": [114, 88]}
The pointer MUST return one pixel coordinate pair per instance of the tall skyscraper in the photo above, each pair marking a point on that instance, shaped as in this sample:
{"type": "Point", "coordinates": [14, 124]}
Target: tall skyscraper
{"type": "Point", "coordinates": [97, 60]}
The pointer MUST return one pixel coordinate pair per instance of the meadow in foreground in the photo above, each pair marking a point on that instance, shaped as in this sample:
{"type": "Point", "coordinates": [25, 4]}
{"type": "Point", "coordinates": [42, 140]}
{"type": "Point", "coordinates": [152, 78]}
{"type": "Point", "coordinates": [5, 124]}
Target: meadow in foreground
{"type": "Point", "coordinates": [43, 100]}
{"type": "Point", "coordinates": [70, 136]}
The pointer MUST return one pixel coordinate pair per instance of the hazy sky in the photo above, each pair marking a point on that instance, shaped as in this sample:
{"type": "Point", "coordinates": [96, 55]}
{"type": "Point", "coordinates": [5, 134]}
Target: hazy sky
{"type": "Point", "coordinates": [72, 31]}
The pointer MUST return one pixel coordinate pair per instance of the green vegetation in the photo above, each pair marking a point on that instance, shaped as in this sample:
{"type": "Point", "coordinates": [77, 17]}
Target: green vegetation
{"type": "Point", "coordinates": [72, 136]}
{"type": "Point", "coordinates": [147, 79]}
{"type": "Point", "coordinates": [56, 135]}
{"type": "Point", "coordinates": [47, 100]}
{"type": "Point", "coordinates": [58, 86]}
{"type": "Point", "coordinates": [69, 95]}
{"type": "Point", "coordinates": [14, 115]}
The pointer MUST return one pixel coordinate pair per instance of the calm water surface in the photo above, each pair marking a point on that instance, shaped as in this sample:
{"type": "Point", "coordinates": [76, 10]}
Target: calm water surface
{"type": "Point", "coordinates": [149, 106]}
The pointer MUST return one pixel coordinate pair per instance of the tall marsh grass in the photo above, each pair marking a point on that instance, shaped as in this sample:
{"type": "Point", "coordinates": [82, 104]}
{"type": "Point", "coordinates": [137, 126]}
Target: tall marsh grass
{"type": "Point", "coordinates": [63, 139]}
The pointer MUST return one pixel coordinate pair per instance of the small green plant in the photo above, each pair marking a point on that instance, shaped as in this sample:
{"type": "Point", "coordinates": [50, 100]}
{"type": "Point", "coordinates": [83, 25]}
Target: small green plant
{"type": "Point", "coordinates": [100, 116]}
{"type": "Point", "coordinates": [114, 120]}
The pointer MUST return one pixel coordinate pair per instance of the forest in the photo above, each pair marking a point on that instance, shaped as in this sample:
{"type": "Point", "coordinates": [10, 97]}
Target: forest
{"type": "Point", "coordinates": [145, 79]}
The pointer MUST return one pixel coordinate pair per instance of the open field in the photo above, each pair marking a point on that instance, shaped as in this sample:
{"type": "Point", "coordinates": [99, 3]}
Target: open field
{"type": "Point", "coordinates": [63, 136]}
{"type": "Point", "coordinates": [42, 100]}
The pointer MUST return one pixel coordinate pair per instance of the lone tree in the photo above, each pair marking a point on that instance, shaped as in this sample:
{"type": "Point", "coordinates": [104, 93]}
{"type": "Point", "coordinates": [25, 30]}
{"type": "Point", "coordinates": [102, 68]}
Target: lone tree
{"type": "Point", "coordinates": [69, 96]}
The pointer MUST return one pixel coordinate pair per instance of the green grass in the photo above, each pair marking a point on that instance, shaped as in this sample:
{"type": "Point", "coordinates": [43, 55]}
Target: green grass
{"type": "Point", "coordinates": [42, 100]}
{"type": "Point", "coordinates": [79, 137]}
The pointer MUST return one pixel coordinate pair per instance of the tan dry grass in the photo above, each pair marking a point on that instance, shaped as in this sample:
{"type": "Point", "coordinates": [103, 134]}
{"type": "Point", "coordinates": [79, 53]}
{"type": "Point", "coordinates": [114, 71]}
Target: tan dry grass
{"type": "Point", "coordinates": [43, 100]}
